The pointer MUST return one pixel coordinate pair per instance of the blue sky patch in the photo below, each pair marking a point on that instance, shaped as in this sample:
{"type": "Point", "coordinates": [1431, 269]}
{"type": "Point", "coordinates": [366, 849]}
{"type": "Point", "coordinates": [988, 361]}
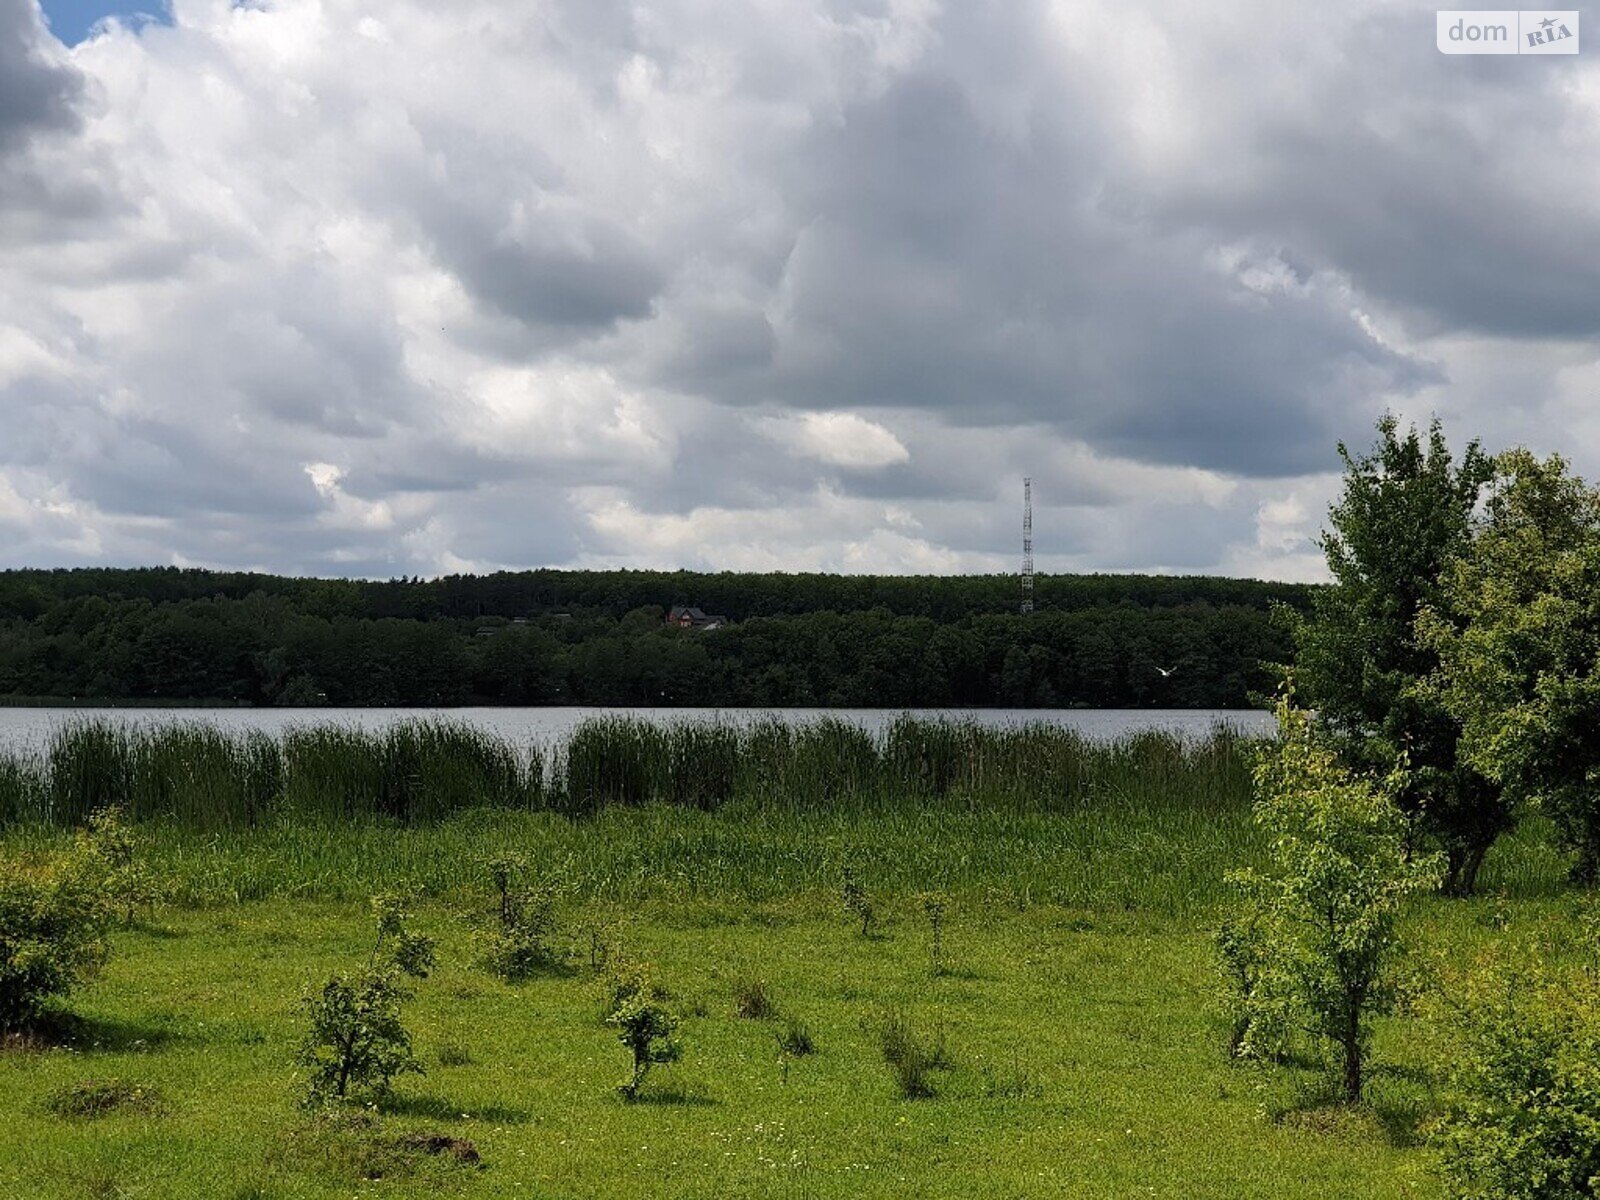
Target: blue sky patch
{"type": "Point", "coordinates": [71, 20]}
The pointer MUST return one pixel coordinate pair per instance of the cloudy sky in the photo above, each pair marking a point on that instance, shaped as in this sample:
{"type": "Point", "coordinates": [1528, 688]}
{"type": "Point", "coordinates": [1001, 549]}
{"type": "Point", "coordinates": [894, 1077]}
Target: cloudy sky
{"type": "Point", "coordinates": [338, 287]}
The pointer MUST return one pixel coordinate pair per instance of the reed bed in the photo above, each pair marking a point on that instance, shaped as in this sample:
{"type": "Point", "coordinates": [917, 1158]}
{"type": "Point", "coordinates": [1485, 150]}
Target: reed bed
{"type": "Point", "coordinates": [421, 772]}
{"type": "Point", "coordinates": [632, 813]}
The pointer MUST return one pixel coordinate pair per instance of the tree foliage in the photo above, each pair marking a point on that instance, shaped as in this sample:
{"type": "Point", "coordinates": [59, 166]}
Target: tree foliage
{"type": "Point", "coordinates": [1517, 634]}
{"type": "Point", "coordinates": [599, 638]}
{"type": "Point", "coordinates": [356, 1042]}
{"type": "Point", "coordinates": [1404, 516]}
{"type": "Point", "coordinates": [1313, 940]}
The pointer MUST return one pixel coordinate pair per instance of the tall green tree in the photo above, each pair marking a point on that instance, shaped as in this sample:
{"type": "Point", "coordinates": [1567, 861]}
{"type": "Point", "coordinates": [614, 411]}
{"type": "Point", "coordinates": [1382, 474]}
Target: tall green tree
{"type": "Point", "coordinates": [1517, 636]}
{"type": "Point", "coordinates": [1404, 516]}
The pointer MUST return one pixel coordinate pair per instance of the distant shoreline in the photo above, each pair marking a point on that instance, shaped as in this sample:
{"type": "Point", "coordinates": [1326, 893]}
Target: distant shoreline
{"type": "Point", "coordinates": [240, 705]}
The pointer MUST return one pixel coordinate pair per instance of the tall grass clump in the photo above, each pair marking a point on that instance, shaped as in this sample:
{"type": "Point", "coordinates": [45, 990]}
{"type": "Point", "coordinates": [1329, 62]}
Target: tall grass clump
{"type": "Point", "coordinates": [413, 771]}
{"type": "Point", "coordinates": [24, 790]}
{"type": "Point", "coordinates": [91, 767]}
{"type": "Point", "coordinates": [429, 769]}
{"type": "Point", "coordinates": [702, 763]}
{"type": "Point", "coordinates": [820, 764]}
{"type": "Point", "coordinates": [614, 761]}
{"type": "Point", "coordinates": [194, 774]}
{"type": "Point", "coordinates": [930, 757]}
{"type": "Point", "coordinates": [330, 772]}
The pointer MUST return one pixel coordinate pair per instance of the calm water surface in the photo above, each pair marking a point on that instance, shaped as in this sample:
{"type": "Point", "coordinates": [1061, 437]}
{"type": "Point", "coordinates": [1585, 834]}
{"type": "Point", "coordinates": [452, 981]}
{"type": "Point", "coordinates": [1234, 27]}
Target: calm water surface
{"type": "Point", "coordinates": [30, 727]}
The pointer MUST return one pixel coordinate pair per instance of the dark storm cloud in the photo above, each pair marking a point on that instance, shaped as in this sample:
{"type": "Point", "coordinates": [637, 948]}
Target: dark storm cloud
{"type": "Point", "coordinates": [603, 278]}
{"type": "Point", "coordinates": [36, 94]}
{"type": "Point", "coordinates": [1457, 190]}
{"type": "Point", "coordinates": [948, 265]}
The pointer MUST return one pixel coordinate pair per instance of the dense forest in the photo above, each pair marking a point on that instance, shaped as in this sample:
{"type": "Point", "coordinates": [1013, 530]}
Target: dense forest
{"type": "Point", "coordinates": [599, 637]}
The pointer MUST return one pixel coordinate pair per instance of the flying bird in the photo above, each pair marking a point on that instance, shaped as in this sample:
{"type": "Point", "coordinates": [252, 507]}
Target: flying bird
{"type": "Point", "coordinates": [1166, 672]}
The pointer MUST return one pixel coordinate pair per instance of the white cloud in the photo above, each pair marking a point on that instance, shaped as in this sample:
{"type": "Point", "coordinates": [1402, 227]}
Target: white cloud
{"type": "Point", "coordinates": [836, 438]}
{"type": "Point", "coordinates": [300, 285]}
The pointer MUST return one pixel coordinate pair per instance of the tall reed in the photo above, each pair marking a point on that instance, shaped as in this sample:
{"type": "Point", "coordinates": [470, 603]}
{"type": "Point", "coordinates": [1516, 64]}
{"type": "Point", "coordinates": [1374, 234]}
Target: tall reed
{"type": "Point", "coordinates": [414, 772]}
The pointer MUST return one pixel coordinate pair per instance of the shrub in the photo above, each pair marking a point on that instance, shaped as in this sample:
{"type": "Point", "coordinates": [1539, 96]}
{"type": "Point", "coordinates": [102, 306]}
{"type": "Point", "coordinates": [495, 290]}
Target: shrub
{"type": "Point", "coordinates": [356, 1041]}
{"type": "Point", "coordinates": [645, 1027]}
{"type": "Point", "coordinates": [113, 853]}
{"type": "Point", "coordinates": [53, 921]}
{"type": "Point", "coordinates": [1525, 1078]}
{"type": "Point", "coordinates": [1318, 933]}
{"type": "Point", "coordinates": [519, 942]}
{"type": "Point", "coordinates": [856, 901]}
{"type": "Point", "coordinates": [1255, 1027]}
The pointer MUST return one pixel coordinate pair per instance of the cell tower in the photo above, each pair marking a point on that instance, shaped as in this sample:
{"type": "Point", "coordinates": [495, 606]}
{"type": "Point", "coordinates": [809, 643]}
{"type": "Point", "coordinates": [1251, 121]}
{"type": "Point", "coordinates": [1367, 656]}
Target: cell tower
{"type": "Point", "coordinates": [1027, 546]}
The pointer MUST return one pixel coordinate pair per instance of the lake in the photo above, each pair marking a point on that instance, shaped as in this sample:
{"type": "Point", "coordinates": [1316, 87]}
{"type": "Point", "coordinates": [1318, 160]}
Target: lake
{"type": "Point", "coordinates": [30, 728]}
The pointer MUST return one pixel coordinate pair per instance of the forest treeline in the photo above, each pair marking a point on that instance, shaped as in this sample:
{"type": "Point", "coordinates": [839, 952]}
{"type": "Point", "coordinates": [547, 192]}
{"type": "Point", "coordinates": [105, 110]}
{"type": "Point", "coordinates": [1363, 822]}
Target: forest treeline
{"type": "Point", "coordinates": [598, 637]}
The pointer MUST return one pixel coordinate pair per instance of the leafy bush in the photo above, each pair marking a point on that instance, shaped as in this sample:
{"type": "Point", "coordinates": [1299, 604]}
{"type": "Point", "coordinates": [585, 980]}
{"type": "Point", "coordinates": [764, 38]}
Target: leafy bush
{"type": "Point", "coordinates": [519, 942]}
{"type": "Point", "coordinates": [113, 852]}
{"type": "Point", "coordinates": [356, 1041]}
{"type": "Point", "coordinates": [53, 922]}
{"type": "Point", "coordinates": [1315, 946]}
{"type": "Point", "coordinates": [644, 1026]}
{"type": "Point", "coordinates": [1255, 1026]}
{"type": "Point", "coordinates": [1523, 1119]}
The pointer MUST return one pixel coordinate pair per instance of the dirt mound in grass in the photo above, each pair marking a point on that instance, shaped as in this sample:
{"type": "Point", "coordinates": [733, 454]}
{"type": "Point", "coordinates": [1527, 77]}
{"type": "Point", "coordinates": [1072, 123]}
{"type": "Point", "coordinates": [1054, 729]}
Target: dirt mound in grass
{"type": "Point", "coordinates": [460, 1149]}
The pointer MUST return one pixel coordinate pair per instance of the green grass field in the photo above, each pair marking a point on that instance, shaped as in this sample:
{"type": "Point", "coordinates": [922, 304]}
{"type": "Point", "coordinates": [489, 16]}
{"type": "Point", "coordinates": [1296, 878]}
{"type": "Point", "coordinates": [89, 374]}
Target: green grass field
{"type": "Point", "coordinates": [1077, 1011]}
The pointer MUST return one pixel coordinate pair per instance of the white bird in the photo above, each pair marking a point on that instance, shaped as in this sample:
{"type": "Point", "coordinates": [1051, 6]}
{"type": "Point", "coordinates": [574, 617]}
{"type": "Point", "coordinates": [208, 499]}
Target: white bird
{"type": "Point", "coordinates": [1166, 672]}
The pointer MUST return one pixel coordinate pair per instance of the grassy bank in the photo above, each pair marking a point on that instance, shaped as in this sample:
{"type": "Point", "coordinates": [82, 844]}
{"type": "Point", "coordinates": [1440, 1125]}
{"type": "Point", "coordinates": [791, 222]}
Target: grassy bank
{"type": "Point", "coordinates": [1085, 1061]}
{"type": "Point", "coordinates": [1075, 1003]}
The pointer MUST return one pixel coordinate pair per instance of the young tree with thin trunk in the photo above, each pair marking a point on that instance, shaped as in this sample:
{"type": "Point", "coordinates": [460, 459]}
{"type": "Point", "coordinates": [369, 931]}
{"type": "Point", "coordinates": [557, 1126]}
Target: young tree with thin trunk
{"type": "Point", "coordinates": [1320, 918]}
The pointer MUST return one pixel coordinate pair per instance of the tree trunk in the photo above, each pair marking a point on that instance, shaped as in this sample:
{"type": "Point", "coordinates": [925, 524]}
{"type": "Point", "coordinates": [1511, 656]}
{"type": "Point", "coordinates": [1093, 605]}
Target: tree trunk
{"type": "Point", "coordinates": [1351, 1083]}
{"type": "Point", "coordinates": [1468, 882]}
{"type": "Point", "coordinates": [1236, 1036]}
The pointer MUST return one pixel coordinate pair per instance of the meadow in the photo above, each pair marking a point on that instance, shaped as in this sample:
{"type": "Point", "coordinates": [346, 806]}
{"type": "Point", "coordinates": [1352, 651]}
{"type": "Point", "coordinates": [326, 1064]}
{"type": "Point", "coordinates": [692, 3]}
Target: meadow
{"type": "Point", "coordinates": [1073, 999]}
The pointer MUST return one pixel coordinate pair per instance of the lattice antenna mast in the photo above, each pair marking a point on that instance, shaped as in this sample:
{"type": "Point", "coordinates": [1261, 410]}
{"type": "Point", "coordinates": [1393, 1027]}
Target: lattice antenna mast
{"type": "Point", "coordinates": [1027, 545]}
